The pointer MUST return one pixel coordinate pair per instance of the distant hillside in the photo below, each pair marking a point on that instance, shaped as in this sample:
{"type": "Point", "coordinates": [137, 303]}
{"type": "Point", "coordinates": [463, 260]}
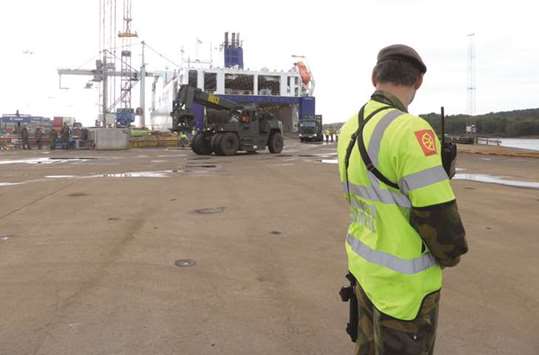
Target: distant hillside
{"type": "Point", "coordinates": [516, 123]}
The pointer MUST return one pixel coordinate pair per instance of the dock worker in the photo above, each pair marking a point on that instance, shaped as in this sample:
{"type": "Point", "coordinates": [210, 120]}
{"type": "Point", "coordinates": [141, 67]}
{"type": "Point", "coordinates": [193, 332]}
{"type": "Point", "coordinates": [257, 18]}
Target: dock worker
{"type": "Point", "coordinates": [405, 225]}
{"type": "Point", "coordinates": [183, 140]}
{"type": "Point", "coordinates": [331, 134]}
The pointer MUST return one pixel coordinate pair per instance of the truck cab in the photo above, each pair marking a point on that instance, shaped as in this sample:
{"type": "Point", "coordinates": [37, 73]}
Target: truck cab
{"type": "Point", "coordinates": [310, 129]}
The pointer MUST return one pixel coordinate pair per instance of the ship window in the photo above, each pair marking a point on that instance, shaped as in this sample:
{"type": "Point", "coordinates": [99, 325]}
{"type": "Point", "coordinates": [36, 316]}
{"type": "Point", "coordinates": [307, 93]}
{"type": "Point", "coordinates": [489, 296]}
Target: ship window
{"type": "Point", "coordinates": [269, 85]}
{"type": "Point", "coordinates": [193, 79]}
{"type": "Point", "coordinates": [210, 82]}
{"type": "Point", "coordinates": [239, 84]}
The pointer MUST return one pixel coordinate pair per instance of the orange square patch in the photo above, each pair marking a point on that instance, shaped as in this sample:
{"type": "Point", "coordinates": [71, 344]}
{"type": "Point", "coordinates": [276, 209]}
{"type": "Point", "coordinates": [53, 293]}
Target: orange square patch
{"type": "Point", "coordinates": [427, 141]}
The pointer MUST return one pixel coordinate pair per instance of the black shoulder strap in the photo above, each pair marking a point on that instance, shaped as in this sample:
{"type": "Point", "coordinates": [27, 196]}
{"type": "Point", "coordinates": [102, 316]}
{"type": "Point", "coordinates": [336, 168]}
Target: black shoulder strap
{"type": "Point", "coordinates": [363, 151]}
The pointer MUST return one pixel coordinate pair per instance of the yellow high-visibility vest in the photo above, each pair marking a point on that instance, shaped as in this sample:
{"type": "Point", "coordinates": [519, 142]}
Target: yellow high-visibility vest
{"type": "Point", "coordinates": [385, 253]}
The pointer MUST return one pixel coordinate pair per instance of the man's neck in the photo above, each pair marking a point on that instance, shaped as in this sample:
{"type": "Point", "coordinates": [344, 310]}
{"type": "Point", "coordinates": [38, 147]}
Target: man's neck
{"type": "Point", "coordinates": [402, 93]}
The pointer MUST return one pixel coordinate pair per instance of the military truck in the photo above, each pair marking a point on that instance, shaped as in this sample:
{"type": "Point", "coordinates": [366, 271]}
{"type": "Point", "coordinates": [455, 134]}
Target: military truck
{"type": "Point", "coordinates": [310, 129]}
{"type": "Point", "coordinates": [228, 126]}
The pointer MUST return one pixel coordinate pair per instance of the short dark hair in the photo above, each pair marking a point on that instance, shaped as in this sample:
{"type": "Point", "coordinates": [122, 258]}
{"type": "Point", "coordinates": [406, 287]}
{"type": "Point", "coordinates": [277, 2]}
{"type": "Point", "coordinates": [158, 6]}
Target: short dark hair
{"type": "Point", "coordinates": [395, 71]}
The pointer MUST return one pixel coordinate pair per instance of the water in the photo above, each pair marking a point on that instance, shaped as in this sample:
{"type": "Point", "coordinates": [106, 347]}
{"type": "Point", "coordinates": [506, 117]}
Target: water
{"type": "Point", "coordinates": [41, 161]}
{"type": "Point", "coordinates": [330, 161]}
{"type": "Point", "coordinates": [132, 174]}
{"type": "Point", "coordinates": [490, 179]}
{"type": "Point", "coordinates": [9, 183]}
{"type": "Point", "coordinates": [139, 174]}
{"type": "Point", "coordinates": [521, 143]}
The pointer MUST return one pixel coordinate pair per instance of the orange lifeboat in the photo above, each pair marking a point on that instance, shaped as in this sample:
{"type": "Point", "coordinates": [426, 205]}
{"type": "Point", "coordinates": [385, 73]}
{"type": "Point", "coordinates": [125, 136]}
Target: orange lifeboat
{"type": "Point", "coordinates": [304, 72]}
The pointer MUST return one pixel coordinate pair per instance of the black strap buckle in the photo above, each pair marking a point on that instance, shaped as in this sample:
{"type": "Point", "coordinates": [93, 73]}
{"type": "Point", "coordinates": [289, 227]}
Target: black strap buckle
{"type": "Point", "coordinates": [346, 293]}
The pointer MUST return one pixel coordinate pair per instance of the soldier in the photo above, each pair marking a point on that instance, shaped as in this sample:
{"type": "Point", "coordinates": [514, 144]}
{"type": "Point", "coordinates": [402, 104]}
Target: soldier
{"type": "Point", "coordinates": [39, 138]}
{"type": "Point", "coordinates": [53, 136]}
{"type": "Point", "coordinates": [65, 134]}
{"type": "Point", "coordinates": [84, 136]}
{"type": "Point", "coordinates": [25, 137]}
{"type": "Point", "coordinates": [405, 224]}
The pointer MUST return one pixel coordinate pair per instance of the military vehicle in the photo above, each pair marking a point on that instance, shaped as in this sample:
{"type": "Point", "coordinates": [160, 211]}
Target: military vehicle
{"type": "Point", "coordinates": [228, 127]}
{"type": "Point", "coordinates": [310, 129]}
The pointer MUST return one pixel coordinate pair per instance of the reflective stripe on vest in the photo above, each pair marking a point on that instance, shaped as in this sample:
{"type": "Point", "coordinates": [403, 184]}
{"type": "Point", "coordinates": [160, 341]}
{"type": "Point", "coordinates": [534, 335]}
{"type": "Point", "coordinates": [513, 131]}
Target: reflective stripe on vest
{"type": "Point", "coordinates": [378, 133]}
{"type": "Point", "coordinates": [373, 192]}
{"type": "Point", "coordinates": [392, 262]}
{"type": "Point", "coordinates": [422, 179]}
{"type": "Point", "coordinates": [389, 196]}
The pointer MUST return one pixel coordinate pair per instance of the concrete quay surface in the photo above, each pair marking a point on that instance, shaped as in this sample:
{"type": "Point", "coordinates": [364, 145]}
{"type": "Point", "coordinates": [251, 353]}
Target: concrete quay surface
{"type": "Point", "coordinates": [88, 249]}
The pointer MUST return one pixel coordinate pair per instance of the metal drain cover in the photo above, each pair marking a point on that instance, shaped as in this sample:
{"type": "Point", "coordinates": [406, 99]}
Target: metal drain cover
{"type": "Point", "coordinates": [202, 166]}
{"type": "Point", "coordinates": [200, 158]}
{"type": "Point", "coordinates": [77, 194]}
{"type": "Point", "coordinates": [215, 210]}
{"type": "Point", "coordinates": [184, 263]}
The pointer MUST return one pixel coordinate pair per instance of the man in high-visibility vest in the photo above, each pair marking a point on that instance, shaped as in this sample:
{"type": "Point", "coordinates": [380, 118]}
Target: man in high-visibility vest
{"type": "Point", "coordinates": [405, 225]}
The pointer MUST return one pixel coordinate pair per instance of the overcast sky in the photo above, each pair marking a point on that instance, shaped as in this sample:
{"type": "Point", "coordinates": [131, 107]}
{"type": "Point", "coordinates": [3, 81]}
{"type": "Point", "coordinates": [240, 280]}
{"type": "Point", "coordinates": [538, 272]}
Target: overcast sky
{"type": "Point", "coordinates": [340, 40]}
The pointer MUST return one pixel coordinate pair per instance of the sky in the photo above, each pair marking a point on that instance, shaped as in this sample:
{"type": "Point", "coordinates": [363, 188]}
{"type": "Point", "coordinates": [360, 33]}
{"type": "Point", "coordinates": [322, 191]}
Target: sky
{"type": "Point", "coordinates": [340, 40]}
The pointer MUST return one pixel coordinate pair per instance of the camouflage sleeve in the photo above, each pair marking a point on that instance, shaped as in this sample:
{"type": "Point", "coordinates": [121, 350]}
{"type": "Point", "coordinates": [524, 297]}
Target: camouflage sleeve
{"type": "Point", "coordinates": [441, 228]}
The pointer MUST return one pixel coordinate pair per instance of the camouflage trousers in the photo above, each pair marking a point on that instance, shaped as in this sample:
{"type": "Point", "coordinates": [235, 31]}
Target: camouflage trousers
{"type": "Point", "coordinates": [380, 334]}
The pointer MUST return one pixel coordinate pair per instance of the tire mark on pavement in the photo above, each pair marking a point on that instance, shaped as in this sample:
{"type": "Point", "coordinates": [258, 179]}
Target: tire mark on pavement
{"type": "Point", "coordinates": [90, 283]}
{"type": "Point", "coordinates": [36, 200]}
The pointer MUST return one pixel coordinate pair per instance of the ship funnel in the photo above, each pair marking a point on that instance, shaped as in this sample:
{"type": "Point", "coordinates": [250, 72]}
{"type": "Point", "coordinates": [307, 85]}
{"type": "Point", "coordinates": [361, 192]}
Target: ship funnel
{"type": "Point", "coordinates": [233, 51]}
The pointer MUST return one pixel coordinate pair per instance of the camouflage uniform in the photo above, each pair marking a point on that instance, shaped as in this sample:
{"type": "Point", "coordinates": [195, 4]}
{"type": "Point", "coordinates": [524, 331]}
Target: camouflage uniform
{"type": "Point", "coordinates": [39, 138]}
{"type": "Point", "coordinates": [53, 136]}
{"type": "Point", "coordinates": [380, 334]}
{"type": "Point", "coordinates": [25, 137]}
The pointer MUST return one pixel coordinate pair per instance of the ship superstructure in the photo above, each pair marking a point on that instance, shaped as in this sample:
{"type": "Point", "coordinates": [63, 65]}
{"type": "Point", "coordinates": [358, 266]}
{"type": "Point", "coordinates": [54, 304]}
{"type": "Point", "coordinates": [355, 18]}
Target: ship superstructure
{"type": "Point", "coordinates": [287, 94]}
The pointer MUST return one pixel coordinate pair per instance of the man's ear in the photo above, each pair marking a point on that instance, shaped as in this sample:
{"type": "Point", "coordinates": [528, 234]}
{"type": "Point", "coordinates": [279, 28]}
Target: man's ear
{"type": "Point", "coordinates": [373, 79]}
{"type": "Point", "coordinates": [419, 82]}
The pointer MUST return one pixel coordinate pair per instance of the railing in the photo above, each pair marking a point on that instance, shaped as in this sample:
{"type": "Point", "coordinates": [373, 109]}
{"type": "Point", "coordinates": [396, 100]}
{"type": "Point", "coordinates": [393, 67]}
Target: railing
{"type": "Point", "coordinates": [489, 141]}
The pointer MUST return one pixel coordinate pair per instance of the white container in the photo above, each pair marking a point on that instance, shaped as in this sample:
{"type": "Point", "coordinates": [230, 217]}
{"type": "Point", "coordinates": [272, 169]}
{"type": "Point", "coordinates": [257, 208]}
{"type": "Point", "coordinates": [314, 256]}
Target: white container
{"type": "Point", "coordinates": [110, 138]}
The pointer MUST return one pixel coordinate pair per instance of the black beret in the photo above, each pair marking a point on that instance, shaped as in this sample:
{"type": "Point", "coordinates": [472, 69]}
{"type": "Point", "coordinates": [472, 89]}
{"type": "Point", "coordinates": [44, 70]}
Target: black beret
{"type": "Point", "coordinates": [402, 52]}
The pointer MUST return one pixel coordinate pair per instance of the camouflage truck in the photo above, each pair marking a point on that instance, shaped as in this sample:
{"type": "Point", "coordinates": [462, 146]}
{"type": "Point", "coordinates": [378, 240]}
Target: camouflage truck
{"type": "Point", "coordinates": [228, 127]}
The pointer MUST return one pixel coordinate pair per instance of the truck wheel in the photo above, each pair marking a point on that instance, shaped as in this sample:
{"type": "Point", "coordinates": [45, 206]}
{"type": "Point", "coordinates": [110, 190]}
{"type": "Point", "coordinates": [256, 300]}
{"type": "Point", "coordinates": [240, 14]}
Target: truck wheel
{"type": "Point", "coordinates": [229, 144]}
{"type": "Point", "coordinates": [200, 145]}
{"type": "Point", "coordinates": [215, 143]}
{"type": "Point", "coordinates": [275, 143]}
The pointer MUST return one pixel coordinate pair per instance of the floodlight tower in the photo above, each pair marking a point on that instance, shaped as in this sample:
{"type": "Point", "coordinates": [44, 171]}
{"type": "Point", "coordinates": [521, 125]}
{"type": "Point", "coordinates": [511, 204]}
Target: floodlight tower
{"type": "Point", "coordinates": [471, 88]}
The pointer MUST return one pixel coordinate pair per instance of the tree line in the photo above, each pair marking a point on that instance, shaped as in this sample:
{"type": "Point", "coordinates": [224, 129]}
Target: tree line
{"type": "Point", "coordinates": [516, 123]}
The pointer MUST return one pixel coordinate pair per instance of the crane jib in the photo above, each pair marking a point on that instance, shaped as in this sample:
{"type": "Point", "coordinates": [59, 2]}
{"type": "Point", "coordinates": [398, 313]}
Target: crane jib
{"type": "Point", "coordinates": [214, 99]}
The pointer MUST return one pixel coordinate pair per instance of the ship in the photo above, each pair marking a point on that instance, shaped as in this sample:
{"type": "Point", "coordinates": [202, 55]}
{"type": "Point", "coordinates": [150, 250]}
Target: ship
{"type": "Point", "coordinates": [287, 94]}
